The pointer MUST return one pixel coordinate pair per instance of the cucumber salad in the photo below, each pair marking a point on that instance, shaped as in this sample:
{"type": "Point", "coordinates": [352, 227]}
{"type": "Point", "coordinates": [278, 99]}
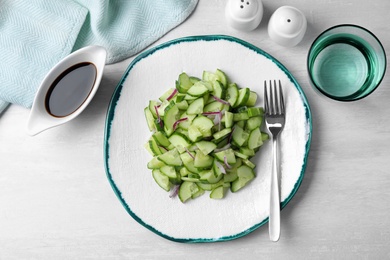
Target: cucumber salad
{"type": "Point", "coordinates": [204, 133]}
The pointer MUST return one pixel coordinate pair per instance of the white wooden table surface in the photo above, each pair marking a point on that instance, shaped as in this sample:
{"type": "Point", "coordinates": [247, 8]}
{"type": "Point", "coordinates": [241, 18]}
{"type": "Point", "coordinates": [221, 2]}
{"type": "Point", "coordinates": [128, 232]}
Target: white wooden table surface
{"type": "Point", "coordinates": [56, 202]}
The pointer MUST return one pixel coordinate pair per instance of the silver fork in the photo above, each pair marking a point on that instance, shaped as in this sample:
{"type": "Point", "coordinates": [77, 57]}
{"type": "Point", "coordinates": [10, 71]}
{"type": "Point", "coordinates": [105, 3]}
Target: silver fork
{"type": "Point", "coordinates": [274, 119]}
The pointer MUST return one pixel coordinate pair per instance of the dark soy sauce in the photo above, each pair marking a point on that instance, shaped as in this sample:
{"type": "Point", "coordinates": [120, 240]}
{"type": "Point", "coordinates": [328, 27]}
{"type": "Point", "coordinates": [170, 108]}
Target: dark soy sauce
{"type": "Point", "coordinates": [70, 90]}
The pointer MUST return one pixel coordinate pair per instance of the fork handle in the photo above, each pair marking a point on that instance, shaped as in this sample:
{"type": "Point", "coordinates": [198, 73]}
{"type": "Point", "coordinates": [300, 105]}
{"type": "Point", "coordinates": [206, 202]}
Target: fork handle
{"type": "Point", "coordinates": [274, 214]}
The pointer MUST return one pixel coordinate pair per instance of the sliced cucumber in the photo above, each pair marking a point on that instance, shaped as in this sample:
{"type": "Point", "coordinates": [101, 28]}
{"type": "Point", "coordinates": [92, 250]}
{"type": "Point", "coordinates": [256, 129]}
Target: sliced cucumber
{"type": "Point", "coordinates": [228, 117]}
{"type": "Point", "coordinates": [185, 124]}
{"type": "Point", "coordinates": [155, 163]}
{"type": "Point", "coordinates": [255, 111]}
{"type": "Point", "coordinates": [171, 157]}
{"type": "Point", "coordinates": [149, 119]}
{"type": "Point", "coordinates": [167, 94]}
{"type": "Point", "coordinates": [245, 175]}
{"type": "Point", "coordinates": [206, 147]}
{"type": "Point", "coordinates": [218, 136]}
{"type": "Point", "coordinates": [161, 179]}
{"type": "Point", "coordinates": [180, 141]}
{"type": "Point", "coordinates": [171, 115]}
{"type": "Point", "coordinates": [222, 77]}
{"type": "Point", "coordinates": [219, 192]}
{"type": "Point", "coordinates": [187, 190]}
{"type": "Point", "coordinates": [198, 90]}
{"type": "Point", "coordinates": [232, 94]}
{"type": "Point", "coordinates": [199, 193]}
{"type": "Point", "coordinates": [243, 96]}
{"type": "Point", "coordinates": [171, 173]}
{"type": "Point", "coordinates": [219, 90]}
{"type": "Point", "coordinates": [214, 107]}
{"type": "Point", "coordinates": [255, 139]}
{"type": "Point", "coordinates": [209, 176]}
{"type": "Point", "coordinates": [153, 147]}
{"type": "Point", "coordinates": [253, 123]}
{"type": "Point", "coordinates": [185, 151]}
{"type": "Point", "coordinates": [204, 124]}
{"type": "Point", "coordinates": [196, 107]}
{"type": "Point", "coordinates": [184, 83]}
{"type": "Point", "coordinates": [228, 153]}
{"type": "Point", "coordinates": [202, 160]}
{"type": "Point", "coordinates": [251, 99]}
{"type": "Point", "coordinates": [239, 136]}
{"type": "Point", "coordinates": [209, 76]}
{"type": "Point", "coordinates": [194, 133]}
{"type": "Point", "coordinates": [209, 186]}
{"type": "Point", "coordinates": [161, 138]}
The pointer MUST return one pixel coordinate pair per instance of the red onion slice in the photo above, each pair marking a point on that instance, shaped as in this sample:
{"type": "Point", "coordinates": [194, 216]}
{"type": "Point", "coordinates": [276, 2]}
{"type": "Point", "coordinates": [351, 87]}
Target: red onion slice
{"type": "Point", "coordinates": [178, 122]}
{"type": "Point", "coordinates": [172, 94]}
{"type": "Point", "coordinates": [220, 100]}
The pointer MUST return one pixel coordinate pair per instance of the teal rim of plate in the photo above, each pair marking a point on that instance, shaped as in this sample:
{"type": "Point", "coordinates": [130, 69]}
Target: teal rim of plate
{"type": "Point", "coordinates": [111, 113]}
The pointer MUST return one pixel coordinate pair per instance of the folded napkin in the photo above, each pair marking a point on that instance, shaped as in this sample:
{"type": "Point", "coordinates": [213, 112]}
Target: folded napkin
{"type": "Point", "coordinates": [36, 34]}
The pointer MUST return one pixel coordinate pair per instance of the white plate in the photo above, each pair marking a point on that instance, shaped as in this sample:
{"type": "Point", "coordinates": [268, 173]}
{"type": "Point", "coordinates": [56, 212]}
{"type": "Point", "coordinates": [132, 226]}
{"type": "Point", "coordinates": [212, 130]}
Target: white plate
{"type": "Point", "coordinates": [202, 219]}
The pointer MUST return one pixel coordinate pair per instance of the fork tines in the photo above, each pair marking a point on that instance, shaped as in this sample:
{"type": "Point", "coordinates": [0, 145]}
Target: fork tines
{"type": "Point", "coordinates": [274, 104]}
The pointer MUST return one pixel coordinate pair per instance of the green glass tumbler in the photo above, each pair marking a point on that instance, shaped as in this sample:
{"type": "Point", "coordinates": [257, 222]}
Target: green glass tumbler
{"type": "Point", "coordinates": [346, 62]}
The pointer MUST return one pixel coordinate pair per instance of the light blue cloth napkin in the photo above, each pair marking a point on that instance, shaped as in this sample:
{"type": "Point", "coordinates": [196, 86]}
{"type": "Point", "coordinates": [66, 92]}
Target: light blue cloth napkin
{"type": "Point", "coordinates": [36, 34]}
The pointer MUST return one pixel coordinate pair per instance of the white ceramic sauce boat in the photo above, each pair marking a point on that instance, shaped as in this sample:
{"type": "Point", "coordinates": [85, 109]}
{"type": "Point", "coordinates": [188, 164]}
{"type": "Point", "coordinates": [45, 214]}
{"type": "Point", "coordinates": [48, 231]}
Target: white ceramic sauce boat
{"type": "Point", "coordinates": [40, 117]}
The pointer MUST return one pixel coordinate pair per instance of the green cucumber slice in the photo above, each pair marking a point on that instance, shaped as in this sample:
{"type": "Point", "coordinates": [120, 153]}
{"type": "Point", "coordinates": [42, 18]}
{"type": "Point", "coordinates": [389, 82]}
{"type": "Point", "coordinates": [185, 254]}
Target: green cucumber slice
{"type": "Point", "coordinates": [245, 175]}
{"type": "Point", "coordinates": [190, 179]}
{"type": "Point", "coordinates": [188, 162]}
{"type": "Point", "coordinates": [149, 119]}
{"type": "Point", "coordinates": [179, 141]}
{"type": "Point", "coordinates": [219, 192]}
{"type": "Point", "coordinates": [196, 107]}
{"type": "Point", "coordinates": [170, 171]}
{"type": "Point", "coordinates": [199, 193]}
{"type": "Point", "coordinates": [202, 160]}
{"type": "Point", "coordinates": [161, 139]}
{"type": "Point", "coordinates": [251, 99]}
{"type": "Point", "coordinates": [243, 96]}
{"type": "Point", "coordinates": [228, 117]}
{"type": "Point", "coordinates": [229, 154]}
{"type": "Point", "coordinates": [219, 136]}
{"type": "Point", "coordinates": [239, 136]}
{"type": "Point", "coordinates": [232, 94]}
{"type": "Point", "coordinates": [186, 190]}
{"type": "Point", "coordinates": [240, 116]}
{"type": "Point", "coordinates": [185, 124]}
{"type": "Point", "coordinates": [171, 157]}
{"type": "Point", "coordinates": [222, 77]}
{"type": "Point", "coordinates": [206, 147]}
{"type": "Point", "coordinates": [194, 79]}
{"type": "Point", "coordinates": [194, 133]}
{"type": "Point", "coordinates": [155, 163]}
{"type": "Point", "coordinates": [152, 107]}
{"type": "Point", "coordinates": [184, 83]}
{"type": "Point", "coordinates": [255, 111]}
{"type": "Point", "coordinates": [209, 76]}
{"type": "Point", "coordinates": [247, 151]}
{"type": "Point", "coordinates": [253, 123]}
{"type": "Point", "coordinates": [219, 90]}
{"type": "Point", "coordinates": [209, 186]}
{"type": "Point", "coordinates": [161, 179]}
{"type": "Point", "coordinates": [198, 90]}
{"type": "Point", "coordinates": [167, 94]}
{"type": "Point", "coordinates": [204, 124]}
{"type": "Point", "coordinates": [230, 176]}
{"type": "Point", "coordinates": [171, 115]}
{"type": "Point", "coordinates": [209, 176]}
{"type": "Point", "coordinates": [214, 107]}
{"type": "Point", "coordinates": [255, 139]}
{"type": "Point", "coordinates": [153, 148]}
